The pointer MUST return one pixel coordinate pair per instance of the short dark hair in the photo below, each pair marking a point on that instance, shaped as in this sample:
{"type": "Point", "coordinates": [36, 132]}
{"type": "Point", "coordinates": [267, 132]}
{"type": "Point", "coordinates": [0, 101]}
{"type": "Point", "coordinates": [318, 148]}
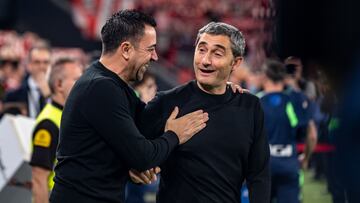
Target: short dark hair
{"type": "Point", "coordinates": [274, 70]}
{"type": "Point", "coordinates": [124, 25]}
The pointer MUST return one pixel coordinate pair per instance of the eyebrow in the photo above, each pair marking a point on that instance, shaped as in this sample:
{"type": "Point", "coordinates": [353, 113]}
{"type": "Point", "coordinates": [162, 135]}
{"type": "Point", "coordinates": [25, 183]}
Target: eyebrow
{"type": "Point", "coordinates": [152, 46]}
{"type": "Point", "coordinates": [217, 45]}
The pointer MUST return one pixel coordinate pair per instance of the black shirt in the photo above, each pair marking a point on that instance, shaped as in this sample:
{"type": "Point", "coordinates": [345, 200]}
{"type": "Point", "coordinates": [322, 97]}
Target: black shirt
{"type": "Point", "coordinates": [45, 140]}
{"type": "Point", "coordinates": [212, 165]}
{"type": "Point", "coordinates": [99, 141]}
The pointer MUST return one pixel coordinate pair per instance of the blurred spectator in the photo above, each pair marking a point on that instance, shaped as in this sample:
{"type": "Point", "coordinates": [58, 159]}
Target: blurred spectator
{"type": "Point", "coordinates": [34, 89]}
{"type": "Point", "coordinates": [146, 88]}
{"type": "Point", "coordinates": [294, 81]}
{"type": "Point", "coordinates": [63, 75]}
{"type": "Point", "coordinates": [10, 73]}
{"type": "Point", "coordinates": [295, 68]}
{"type": "Point", "coordinates": [281, 122]}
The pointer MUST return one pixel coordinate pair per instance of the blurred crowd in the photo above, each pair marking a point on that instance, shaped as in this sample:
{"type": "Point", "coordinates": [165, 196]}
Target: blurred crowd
{"type": "Point", "coordinates": [178, 22]}
{"type": "Point", "coordinates": [17, 64]}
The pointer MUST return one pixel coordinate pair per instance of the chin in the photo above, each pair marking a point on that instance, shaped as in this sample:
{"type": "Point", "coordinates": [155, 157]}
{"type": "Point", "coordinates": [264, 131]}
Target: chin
{"type": "Point", "coordinates": [205, 83]}
{"type": "Point", "coordinates": [204, 80]}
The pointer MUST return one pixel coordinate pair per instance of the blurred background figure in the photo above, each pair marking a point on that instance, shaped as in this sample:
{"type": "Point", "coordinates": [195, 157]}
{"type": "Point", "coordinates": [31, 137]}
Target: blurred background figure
{"type": "Point", "coordinates": [283, 117]}
{"type": "Point", "coordinates": [34, 89]}
{"type": "Point", "coordinates": [146, 88]}
{"type": "Point", "coordinates": [10, 72]}
{"type": "Point", "coordinates": [63, 76]}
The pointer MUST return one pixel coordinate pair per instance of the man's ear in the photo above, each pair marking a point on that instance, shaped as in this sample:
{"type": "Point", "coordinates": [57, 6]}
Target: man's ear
{"type": "Point", "coordinates": [58, 84]}
{"type": "Point", "coordinates": [236, 62]}
{"type": "Point", "coordinates": [125, 49]}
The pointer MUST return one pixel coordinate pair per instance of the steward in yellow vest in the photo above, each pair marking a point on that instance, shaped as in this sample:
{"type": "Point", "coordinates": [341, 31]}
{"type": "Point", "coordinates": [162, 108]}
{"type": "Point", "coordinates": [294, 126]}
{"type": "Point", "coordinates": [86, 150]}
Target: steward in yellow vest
{"type": "Point", "coordinates": [63, 75]}
{"type": "Point", "coordinates": [45, 138]}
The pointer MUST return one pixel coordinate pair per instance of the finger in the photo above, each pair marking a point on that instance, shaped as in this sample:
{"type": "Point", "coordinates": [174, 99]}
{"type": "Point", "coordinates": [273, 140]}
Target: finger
{"type": "Point", "coordinates": [239, 89]}
{"type": "Point", "coordinates": [233, 87]}
{"type": "Point", "coordinates": [199, 119]}
{"type": "Point", "coordinates": [199, 128]}
{"type": "Point", "coordinates": [135, 178]}
{"type": "Point", "coordinates": [174, 113]}
{"type": "Point", "coordinates": [145, 178]}
{"type": "Point", "coordinates": [246, 91]}
{"type": "Point", "coordinates": [199, 122]}
{"type": "Point", "coordinates": [157, 169]}
{"type": "Point", "coordinates": [196, 117]}
{"type": "Point", "coordinates": [194, 113]}
{"type": "Point", "coordinates": [153, 175]}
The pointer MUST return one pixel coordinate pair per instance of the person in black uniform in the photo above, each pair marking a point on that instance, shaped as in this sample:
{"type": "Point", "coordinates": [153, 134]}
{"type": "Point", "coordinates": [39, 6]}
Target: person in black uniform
{"type": "Point", "coordinates": [99, 141]}
{"type": "Point", "coordinates": [213, 165]}
{"type": "Point", "coordinates": [63, 75]}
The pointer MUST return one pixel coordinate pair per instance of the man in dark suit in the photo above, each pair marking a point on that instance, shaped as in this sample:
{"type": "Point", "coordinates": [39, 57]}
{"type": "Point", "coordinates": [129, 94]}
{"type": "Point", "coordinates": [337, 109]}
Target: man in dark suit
{"type": "Point", "coordinates": [34, 89]}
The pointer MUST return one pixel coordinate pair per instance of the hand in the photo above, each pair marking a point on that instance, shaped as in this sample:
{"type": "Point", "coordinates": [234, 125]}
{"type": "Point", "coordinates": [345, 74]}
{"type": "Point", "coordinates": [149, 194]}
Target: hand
{"type": "Point", "coordinates": [42, 83]}
{"type": "Point", "coordinates": [236, 87]}
{"type": "Point", "coordinates": [145, 177]}
{"type": "Point", "coordinates": [188, 125]}
{"type": "Point", "coordinates": [304, 162]}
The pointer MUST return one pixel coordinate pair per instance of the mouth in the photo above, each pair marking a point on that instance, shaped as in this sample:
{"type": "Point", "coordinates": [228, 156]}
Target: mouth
{"type": "Point", "coordinates": [206, 71]}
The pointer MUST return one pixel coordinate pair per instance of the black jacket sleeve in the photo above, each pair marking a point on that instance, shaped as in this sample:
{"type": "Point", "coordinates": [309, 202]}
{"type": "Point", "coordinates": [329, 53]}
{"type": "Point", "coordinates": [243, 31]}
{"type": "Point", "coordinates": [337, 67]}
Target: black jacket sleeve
{"type": "Point", "coordinates": [43, 154]}
{"type": "Point", "coordinates": [152, 123]}
{"type": "Point", "coordinates": [109, 114]}
{"type": "Point", "coordinates": [258, 174]}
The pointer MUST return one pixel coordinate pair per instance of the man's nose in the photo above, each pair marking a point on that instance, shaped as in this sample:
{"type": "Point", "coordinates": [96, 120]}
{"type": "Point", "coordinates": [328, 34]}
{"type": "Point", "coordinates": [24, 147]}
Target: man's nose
{"type": "Point", "coordinates": [206, 59]}
{"type": "Point", "coordinates": [154, 56]}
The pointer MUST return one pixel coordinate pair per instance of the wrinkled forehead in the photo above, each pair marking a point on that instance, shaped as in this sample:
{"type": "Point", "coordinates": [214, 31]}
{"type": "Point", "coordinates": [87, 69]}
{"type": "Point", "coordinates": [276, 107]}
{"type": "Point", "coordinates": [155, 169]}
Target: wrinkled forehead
{"type": "Point", "coordinates": [219, 41]}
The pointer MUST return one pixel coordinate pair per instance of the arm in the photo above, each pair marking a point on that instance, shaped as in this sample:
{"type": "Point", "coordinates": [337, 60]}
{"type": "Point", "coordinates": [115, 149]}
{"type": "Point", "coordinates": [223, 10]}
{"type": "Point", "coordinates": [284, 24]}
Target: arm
{"type": "Point", "coordinates": [152, 121]}
{"type": "Point", "coordinates": [311, 140]}
{"type": "Point", "coordinates": [110, 116]}
{"type": "Point", "coordinates": [42, 160]}
{"type": "Point", "coordinates": [258, 174]}
{"type": "Point", "coordinates": [40, 184]}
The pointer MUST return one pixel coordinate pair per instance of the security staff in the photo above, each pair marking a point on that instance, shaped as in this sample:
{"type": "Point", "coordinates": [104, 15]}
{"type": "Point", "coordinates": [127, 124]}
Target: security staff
{"type": "Point", "coordinates": [63, 75]}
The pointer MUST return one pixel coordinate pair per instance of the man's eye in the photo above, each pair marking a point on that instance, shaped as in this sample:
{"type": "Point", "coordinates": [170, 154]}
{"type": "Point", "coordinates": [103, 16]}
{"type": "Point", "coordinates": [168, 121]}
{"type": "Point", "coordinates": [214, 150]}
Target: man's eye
{"type": "Point", "coordinates": [201, 50]}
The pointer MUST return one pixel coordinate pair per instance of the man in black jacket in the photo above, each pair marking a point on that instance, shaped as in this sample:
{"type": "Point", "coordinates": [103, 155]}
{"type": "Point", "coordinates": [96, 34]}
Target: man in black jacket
{"type": "Point", "coordinates": [99, 141]}
{"type": "Point", "coordinates": [233, 147]}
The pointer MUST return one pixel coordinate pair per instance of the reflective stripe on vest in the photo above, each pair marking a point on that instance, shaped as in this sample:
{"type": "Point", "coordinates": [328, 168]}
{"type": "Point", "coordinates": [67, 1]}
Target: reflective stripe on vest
{"type": "Point", "coordinates": [290, 112]}
{"type": "Point", "coordinates": [289, 109]}
{"type": "Point", "coordinates": [52, 113]}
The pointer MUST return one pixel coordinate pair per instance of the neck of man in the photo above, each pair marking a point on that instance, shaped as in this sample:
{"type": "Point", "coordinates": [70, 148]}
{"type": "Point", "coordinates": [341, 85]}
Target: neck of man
{"type": "Point", "coordinates": [293, 84]}
{"type": "Point", "coordinates": [58, 98]}
{"type": "Point", "coordinates": [273, 87]}
{"type": "Point", "coordinates": [116, 65]}
{"type": "Point", "coordinates": [212, 89]}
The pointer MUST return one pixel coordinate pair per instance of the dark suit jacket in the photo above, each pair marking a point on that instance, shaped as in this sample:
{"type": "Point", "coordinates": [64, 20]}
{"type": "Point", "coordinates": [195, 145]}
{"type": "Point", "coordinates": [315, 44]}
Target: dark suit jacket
{"type": "Point", "coordinates": [20, 95]}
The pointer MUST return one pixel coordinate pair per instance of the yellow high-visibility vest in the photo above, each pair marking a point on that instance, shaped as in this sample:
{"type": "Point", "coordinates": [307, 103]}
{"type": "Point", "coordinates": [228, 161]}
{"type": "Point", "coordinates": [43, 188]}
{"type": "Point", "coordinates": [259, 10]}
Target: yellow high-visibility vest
{"type": "Point", "coordinates": [52, 113]}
